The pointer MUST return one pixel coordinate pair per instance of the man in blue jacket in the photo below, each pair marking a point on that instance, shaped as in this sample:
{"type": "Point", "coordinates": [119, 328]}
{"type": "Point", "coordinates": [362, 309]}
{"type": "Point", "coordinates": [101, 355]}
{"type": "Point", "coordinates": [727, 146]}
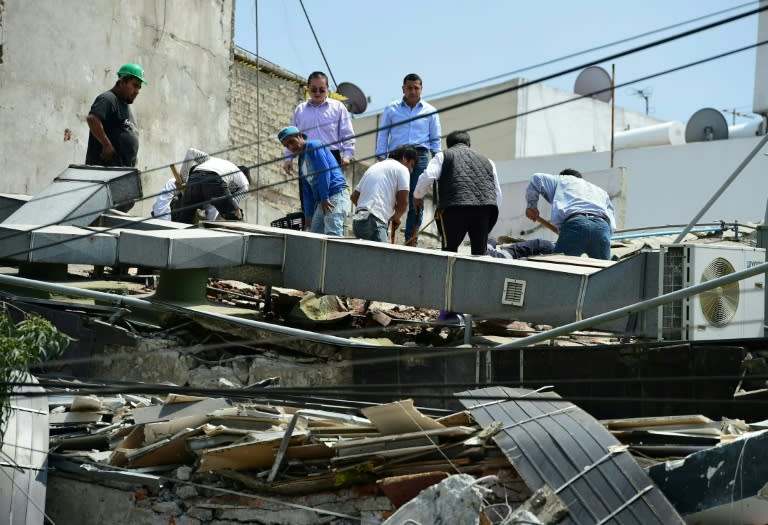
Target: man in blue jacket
{"type": "Point", "coordinates": [324, 190]}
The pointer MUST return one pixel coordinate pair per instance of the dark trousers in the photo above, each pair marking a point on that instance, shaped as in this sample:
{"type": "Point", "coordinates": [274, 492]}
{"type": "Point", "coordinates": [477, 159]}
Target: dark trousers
{"type": "Point", "coordinates": [204, 187]}
{"type": "Point", "coordinates": [336, 155]}
{"type": "Point", "coordinates": [477, 221]}
{"type": "Point", "coordinates": [414, 216]}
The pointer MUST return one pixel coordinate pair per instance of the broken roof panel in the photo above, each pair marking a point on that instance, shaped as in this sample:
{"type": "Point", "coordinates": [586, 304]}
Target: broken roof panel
{"type": "Point", "coordinates": [24, 457]}
{"type": "Point", "coordinates": [553, 442]}
{"type": "Point", "coordinates": [723, 484]}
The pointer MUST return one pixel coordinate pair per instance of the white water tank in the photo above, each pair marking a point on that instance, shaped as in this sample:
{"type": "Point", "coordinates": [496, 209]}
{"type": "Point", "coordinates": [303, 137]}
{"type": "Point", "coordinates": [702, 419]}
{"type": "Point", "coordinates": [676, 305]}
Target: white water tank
{"type": "Point", "coordinates": [664, 134]}
{"type": "Point", "coordinates": [753, 128]}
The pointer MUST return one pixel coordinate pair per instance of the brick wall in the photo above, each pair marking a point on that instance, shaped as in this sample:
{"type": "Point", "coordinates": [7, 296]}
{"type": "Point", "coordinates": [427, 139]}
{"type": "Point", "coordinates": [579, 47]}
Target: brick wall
{"type": "Point", "coordinates": [262, 102]}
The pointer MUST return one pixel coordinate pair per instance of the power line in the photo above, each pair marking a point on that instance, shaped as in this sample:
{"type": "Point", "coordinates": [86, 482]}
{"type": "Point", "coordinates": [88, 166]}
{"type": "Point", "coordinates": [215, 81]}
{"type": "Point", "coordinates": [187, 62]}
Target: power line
{"type": "Point", "coordinates": [318, 43]}
{"type": "Point", "coordinates": [293, 397]}
{"type": "Point", "coordinates": [579, 53]}
{"type": "Point", "coordinates": [473, 101]}
{"type": "Point", "coordinates": [455, 106]}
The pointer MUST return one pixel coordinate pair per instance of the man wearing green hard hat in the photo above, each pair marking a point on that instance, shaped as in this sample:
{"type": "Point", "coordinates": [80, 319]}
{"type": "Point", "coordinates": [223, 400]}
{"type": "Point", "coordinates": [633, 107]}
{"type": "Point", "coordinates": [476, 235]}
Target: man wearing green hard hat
{"type": "Point", "coordinates": [114, 136]}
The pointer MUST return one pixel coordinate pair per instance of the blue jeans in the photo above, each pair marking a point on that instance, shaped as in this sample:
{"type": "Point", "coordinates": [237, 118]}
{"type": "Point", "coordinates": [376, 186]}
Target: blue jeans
{"type": "Point", "coordinates": [370, 229]}
{"type": "Point", "coordinates": [332, 223]}
{"type": "Point", "coordinates": [414, 217]}
{"type": "Point", "coordinates": [590, 235]}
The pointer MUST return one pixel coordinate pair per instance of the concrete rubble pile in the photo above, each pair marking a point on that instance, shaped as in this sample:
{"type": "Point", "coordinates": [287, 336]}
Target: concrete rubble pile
{"type": "Point", "coordinates": [215, 461]}
{"type": "Point", "coordinates": [183, 450]}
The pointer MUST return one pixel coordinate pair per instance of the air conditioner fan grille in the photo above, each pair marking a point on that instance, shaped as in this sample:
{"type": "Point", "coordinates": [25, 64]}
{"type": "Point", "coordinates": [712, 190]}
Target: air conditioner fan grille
{"type": "Point", "coordinates": [719, 305]}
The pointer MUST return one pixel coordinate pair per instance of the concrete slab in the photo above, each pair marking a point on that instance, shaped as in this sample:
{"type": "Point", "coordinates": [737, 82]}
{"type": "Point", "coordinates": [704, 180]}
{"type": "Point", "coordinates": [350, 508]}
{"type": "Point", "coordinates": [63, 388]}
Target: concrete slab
{"type": "Point", "coordinates": [10, 202]}
{"type": "Point", "coordinates": [392, 273]}
{"type": "Point", "coordinates": [181, 249]}
{"type": "Point", "coordinates": [129, 222]}
{"type": "Point", "coordinates": [56, 244]}
{"type": "Point", "coordinates": [264, 250]}
{"type": "Point", "coordinates": [79, 194]}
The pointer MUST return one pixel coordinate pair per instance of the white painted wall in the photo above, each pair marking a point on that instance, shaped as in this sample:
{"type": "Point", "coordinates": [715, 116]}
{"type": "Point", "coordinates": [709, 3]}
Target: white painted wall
{"type": "Point", "coordinates": [557, 121]}
{"type": "Point", "coordinates": [58, 56]}
{"type": "Point", "coordinates": [665, 185]}
{"type": "Point", "coordinates": [760, 100]}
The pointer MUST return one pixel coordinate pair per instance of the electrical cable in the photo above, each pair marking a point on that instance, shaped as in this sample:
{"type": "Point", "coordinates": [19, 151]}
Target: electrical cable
{"type": "Point", "coordinates": [579, 53]}
{"type": "Point", "coordinates": [719, 56]}
{"type": "Point", "coordinates": [485, 124]}
{"type": "Point", "coordinates": [548, 77]}
{"type": "Point", "coordinates": [284, 395]}
{"type": "Point", "coordinates": [318, 43]}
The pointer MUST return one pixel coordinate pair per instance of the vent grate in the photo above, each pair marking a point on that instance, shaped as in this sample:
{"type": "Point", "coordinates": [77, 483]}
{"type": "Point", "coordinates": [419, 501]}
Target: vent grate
{"type": "Point", "coordinates": [672, 313]}
{"type": "Point", "coordinates": [513, 293]}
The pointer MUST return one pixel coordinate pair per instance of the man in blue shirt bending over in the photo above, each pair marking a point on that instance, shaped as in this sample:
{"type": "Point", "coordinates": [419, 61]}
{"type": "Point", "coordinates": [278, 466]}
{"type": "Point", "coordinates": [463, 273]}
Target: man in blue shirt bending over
{"type": "Point", "coordinates": [324, 189]}
{"type": "Point", "coordinates": [582, 211]}
{"type": "Point", "coordinates": [420, 128]}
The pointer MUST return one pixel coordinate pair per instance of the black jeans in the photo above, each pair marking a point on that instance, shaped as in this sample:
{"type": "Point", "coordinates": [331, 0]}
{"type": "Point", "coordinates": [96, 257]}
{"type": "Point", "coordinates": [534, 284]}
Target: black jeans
{"type": "Point", "coordinates": [477, 221]}
{"type": "Point", "coordinates": [204, 187]}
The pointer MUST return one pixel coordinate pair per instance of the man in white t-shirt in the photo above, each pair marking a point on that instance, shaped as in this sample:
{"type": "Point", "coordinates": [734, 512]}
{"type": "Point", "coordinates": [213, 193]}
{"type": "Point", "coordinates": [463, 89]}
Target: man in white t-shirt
{"type": "Point", "coordinates": [218, 182]}
{"type": "Point", "coordinates": [381, 196]}
{"type": "Point", "coordinates": [163, 208]}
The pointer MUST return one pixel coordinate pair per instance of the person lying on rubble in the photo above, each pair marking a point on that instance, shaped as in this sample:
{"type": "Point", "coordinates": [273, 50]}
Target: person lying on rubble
{"type": "Point", "coordinates": [519, 250]}
{"type": "Point", "coordinates": [582, 211]}
{"type": "Point", "coordinates": [209, 183]}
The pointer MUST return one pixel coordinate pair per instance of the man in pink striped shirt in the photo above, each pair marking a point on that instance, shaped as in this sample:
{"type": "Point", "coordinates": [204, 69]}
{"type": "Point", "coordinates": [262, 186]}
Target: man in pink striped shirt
{"type": "Point", "coordinates": [324, 119]}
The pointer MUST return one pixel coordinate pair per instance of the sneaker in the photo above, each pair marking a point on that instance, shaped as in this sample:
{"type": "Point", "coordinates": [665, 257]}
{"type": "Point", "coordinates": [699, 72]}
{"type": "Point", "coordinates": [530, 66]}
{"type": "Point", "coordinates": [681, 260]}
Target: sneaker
{"type": "Point", "coordinates": [450, 318]}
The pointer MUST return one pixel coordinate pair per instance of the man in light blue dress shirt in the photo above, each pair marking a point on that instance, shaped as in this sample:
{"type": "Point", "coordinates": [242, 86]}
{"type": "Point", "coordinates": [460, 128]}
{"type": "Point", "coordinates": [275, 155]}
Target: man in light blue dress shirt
{"type": "Point", "coordinates": [582, 211]}
{"type": "Point", "coordinates": [410, 121]}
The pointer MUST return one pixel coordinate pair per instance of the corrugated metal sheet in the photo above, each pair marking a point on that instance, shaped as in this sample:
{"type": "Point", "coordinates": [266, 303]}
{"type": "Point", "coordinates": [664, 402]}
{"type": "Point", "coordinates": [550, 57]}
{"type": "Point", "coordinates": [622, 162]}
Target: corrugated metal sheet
{"type": "Point", "coordinates": [24, 460]}
{"type": "Point", "coordinates": [553, 442]}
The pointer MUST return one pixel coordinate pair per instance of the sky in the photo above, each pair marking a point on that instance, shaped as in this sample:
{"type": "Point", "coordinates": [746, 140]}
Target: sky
{"type": "Point", "coordinates": [452, 44]}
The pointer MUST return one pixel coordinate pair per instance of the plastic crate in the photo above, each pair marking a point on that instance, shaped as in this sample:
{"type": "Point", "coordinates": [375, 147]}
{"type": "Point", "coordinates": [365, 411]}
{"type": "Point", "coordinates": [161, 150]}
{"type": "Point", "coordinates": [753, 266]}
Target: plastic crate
{"type": "Point", "coordinates": [292, 221]}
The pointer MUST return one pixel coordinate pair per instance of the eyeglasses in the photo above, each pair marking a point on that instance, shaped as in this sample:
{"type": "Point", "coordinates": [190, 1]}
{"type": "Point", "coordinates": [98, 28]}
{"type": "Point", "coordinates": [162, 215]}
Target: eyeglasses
{"type": "Point", "coordinates": [317, 90]}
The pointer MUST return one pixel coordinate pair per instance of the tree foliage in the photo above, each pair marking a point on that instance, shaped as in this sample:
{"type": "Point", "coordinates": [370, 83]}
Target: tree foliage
{"type": "Point", "coordinates": [24, 345]}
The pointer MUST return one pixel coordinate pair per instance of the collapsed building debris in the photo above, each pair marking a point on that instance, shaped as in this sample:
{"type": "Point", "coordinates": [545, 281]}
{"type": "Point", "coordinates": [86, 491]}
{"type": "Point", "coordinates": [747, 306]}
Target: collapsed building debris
{"type": "Point", "coordinates": [271, 449]}
{"type": "Point", "coordinates": [204, 459]}
{"type": "Point", "coordinates": [515, 454]}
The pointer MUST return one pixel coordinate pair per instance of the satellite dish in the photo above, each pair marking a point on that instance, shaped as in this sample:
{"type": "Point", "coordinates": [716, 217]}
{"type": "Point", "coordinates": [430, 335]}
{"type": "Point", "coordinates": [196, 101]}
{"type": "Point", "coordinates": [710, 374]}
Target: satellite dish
{"type": "Point", "coordinates": [356, 101]}
{"type": "Point", "coordinates": [706, 124]}
{"type": "Point", "coordinates": [595, 82]}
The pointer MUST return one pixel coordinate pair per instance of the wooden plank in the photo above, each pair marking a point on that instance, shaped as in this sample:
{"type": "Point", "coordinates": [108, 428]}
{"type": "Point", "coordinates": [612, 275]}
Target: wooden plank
{"type": "Point", "coordinates": [641, 422]}
{"type": "Point", "coordinates": [168, 412]}
{"type": "Point", "coordinates": [399, 417]}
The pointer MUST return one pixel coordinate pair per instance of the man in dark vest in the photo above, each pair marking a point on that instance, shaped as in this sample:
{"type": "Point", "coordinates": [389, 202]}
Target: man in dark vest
{"type": "Point", "coordinates": [468, 193]}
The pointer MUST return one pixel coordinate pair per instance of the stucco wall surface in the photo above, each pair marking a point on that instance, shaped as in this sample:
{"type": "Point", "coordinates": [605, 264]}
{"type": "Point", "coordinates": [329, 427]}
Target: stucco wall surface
{"type": "Point", "coordinates": [58, 56]}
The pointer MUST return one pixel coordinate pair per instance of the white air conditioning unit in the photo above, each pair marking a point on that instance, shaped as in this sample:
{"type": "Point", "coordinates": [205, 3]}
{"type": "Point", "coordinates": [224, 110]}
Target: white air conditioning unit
{"type": "Point", "coordinates": [733, 311]}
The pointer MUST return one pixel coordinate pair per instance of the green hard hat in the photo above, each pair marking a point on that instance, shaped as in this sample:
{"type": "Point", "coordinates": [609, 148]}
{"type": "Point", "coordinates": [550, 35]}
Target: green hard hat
{"type": "Point", "coordinates": [134, 70]}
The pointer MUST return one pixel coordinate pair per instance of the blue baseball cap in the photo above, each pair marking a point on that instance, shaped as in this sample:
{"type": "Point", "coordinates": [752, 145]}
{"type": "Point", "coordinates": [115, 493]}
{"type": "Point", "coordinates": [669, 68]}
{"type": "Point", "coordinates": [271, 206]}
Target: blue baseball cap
{"type": "Point", "coordinates": [286, 132]}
